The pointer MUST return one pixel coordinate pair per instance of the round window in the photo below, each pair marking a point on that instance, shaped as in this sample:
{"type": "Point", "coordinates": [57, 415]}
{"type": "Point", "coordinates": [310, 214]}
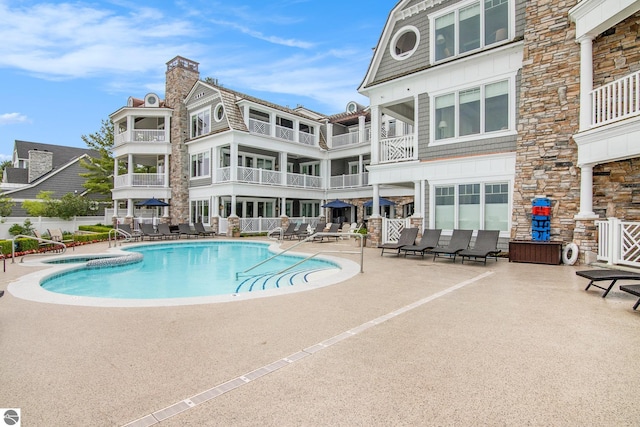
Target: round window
{"type": "Point", "coordinates": [404, 42]}
{"type": "Point", "coordinates": [218, 113]}
{"type": "Point", "coordinates": [151, 100]}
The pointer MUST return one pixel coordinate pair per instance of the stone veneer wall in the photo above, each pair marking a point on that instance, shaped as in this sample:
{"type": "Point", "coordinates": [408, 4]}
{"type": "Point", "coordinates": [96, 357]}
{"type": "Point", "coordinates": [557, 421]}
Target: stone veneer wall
{"type": "Point", "coordinates": [616, 190]}
{"type": "Point", "coordinates": [180, 78]}
{"type": "Point", "coordinates": [617, 54]}
{"type": "Point", "coordinates": [40, 162]}
{"type": "Point", "coordinates": [546, 154]}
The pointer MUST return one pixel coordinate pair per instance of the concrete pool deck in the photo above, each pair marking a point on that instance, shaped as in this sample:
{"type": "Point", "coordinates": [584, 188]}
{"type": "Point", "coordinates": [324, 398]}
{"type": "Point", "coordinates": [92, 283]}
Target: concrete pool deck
{"type": "Point", "coordinates": [407, 342]}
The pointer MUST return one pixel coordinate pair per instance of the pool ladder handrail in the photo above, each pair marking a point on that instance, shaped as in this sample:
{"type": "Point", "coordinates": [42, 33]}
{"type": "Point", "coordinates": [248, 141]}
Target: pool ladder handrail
{"type": "Point", "coordinates": [39, 239]}
{"type": "Point", "coordinates": [128, 236]}
{"type": "Point", "coordinates": [306, 239]}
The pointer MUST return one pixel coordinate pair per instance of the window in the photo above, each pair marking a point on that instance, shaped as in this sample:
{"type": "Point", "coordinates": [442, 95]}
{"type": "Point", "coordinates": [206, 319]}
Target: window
{"type": "Point", "coordinates": [200, 123]}
{"type": "Point", "coordinates": [310, 209]}
{"type": "Point", "coordinates": [200, 165]}
{"type": "Point", "coordinates": [472, 111]}
{"type": "Point", "coordinates": [404, 43]}
{"type": "Point", "coordinates": [496, 207]}
{"type": "Point", "coordinates": [473, 206]}
{"type": "Point", "coordinates": [200, 211]}
{"type": "Point", "coordinates": [310, 168]}
{"type": "Point", "coordinates": [218, 112]}
{"type": "Point", "coordinates": [470, 27]}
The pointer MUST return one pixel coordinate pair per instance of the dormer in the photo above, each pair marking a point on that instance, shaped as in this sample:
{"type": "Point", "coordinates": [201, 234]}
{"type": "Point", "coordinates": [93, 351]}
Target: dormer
{"type": "Point", "coordinates": [151, 100]}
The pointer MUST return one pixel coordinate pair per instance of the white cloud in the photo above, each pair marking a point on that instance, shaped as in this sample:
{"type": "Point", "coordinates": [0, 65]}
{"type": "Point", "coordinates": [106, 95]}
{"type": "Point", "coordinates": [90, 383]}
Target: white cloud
{"type": "Point", "coordinates": [12, 118]}
{"type": "Point", "coordinates": [69, 40]}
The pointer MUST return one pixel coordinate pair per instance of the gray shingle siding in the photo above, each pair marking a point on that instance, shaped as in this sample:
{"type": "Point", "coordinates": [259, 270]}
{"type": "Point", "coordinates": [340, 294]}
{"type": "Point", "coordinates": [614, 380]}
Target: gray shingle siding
{"type": "Point", "coordinates": [200, 182]}
{"type": "Point", "coordinates": [63, 182]}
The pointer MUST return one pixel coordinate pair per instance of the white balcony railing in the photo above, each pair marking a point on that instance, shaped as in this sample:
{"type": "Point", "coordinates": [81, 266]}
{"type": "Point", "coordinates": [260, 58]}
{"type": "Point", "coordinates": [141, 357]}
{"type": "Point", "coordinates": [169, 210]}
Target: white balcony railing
{"type": "Point", "coordinates": [619, 242]}
{"type": "Point", "coordinates": [288, 134]}
{"type": "Point", "coordinates": [304, 181]}
{"type": "Point", "coordinates": [347, 181]}
{"type": "Point", "coordinates": [141, 135]}
{"type": "Point", "coordinates": [139, 180]}
{"type": "Point", "coordinates": [617, 100]}
{"type": "Point", "coordinates": [397, 149]}
{"type": "Point", "coordinates": [345, 139]}
{"type": "Point", "coordinates": [259, 176]}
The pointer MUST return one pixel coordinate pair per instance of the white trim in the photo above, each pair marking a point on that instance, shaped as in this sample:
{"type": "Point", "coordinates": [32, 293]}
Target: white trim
{"type": "Point", "coordinates": [394, 40]}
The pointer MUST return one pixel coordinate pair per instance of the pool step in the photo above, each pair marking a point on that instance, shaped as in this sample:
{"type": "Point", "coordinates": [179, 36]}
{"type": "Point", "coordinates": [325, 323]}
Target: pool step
{"type": "Point", "coordinates": [274, 281]}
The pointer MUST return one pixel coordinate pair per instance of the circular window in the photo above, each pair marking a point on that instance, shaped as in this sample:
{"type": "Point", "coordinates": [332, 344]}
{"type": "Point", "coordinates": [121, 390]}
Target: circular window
{"type": "Point", "coordinates": [352, 107]}
{"type": "Point", "coordinates": [404, 42]}
{"type": "Point", "coordinates": [151, 100]}
{"type": "Point", "coordinates": [218, 113]}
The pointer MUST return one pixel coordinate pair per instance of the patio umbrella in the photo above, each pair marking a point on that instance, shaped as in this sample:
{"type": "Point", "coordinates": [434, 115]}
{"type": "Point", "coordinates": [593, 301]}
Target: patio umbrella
{"type": "Point", "coordinates": [152, 202]}
{"type": "Point", "coordinates": [337, 204]}
{"type": "Point", "coordinates": [382, 201]}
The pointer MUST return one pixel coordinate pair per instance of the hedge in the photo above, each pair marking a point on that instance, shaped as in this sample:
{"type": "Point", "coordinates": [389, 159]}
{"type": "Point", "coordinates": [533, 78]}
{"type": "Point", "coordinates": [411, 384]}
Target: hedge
{"type": "Point", "coordinates": [32, 245]}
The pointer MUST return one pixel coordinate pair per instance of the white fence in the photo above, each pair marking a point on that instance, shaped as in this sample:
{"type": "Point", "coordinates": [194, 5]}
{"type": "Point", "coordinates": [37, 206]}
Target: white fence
{"type": "Point", "coordinates": [391, 228]}
{"type": "Point", "coordinates": [619, 242]}
{"type": "Point", "coordinates": [42, 224]}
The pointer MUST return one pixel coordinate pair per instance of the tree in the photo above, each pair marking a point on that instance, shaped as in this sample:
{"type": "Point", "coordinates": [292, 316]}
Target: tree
{"type": "Point", "coordinates": [44, 206]}
{"type": "Point", "coordinates": [5, 164]}
{"type": "Point", "coordinates": [6, 204]}
{"type": "Point", "coordinates": [100, 170]}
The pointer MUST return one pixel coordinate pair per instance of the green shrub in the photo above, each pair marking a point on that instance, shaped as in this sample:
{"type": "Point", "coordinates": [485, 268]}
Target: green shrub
{"type": "Point", "coordinates": [98, 228]}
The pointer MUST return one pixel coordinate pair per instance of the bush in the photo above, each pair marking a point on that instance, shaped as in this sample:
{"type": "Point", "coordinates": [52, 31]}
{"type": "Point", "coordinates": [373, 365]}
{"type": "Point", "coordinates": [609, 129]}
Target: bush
{"type": "Point", "coordinates": [26, 229]}
{"type": "Point", "coordinates": [98, 228]}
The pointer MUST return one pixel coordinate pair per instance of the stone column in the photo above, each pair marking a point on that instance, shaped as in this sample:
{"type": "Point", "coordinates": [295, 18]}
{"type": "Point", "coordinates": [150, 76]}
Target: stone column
{"type": "Point", "coordinates": [374, 229]}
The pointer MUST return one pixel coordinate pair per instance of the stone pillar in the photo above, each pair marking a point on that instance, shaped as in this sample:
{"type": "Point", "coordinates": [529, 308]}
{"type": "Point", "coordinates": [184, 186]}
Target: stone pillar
{"type": "Point", "coordinates": [585, 235]}
{"type": "Point", "coordinates": [214, 223]}
{"type": "Point", "coordinates": [181, 75]}
{"type": "Point", "coordinates": [374, 229]}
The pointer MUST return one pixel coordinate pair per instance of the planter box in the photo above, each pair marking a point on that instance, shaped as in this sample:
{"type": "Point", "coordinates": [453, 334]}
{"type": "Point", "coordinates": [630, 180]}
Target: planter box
{"type": "Point", "coordinates": [535, 252]}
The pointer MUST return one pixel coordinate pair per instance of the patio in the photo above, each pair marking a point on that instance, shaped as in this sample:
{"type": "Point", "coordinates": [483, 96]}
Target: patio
{"type": "Point", "coordinates": [417, 343]}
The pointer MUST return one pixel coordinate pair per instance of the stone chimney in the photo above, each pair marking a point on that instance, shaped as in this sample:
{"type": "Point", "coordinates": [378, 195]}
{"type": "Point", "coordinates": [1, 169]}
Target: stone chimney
{"type": "Point", "coordinates": [181, 75]}
{"type": "Point", "coordinates": [40, 163]}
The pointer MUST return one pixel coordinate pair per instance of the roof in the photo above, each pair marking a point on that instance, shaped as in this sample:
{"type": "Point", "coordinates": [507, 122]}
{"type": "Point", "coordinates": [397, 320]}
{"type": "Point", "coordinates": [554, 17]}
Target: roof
{"type": "Point", "coordinates": [61, 154]}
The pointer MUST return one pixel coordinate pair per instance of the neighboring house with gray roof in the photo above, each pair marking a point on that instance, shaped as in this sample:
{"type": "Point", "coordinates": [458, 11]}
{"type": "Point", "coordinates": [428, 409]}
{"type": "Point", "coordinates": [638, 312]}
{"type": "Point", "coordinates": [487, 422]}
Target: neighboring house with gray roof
{"type": "Point", "coordinates": [38, 167]}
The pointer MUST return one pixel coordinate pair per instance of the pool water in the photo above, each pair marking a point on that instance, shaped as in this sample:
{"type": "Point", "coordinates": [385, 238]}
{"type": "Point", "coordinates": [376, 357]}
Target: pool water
{"type": "Point", "coordinates": [187, 270]}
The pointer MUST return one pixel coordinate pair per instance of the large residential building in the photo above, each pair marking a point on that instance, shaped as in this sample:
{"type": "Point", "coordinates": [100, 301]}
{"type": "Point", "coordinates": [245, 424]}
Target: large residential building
{"type": "Point", "coordinates": [476, 108]}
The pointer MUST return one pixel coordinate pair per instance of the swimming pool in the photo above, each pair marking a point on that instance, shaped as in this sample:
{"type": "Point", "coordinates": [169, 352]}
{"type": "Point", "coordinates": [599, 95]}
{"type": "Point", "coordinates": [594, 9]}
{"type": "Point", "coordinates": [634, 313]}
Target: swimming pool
{"type": "Point", "coordinates": [187, 270]}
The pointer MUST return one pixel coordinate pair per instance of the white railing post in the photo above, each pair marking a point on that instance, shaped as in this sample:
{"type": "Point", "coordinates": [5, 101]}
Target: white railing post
{"type": "Point", "coordinates": [614, 240]}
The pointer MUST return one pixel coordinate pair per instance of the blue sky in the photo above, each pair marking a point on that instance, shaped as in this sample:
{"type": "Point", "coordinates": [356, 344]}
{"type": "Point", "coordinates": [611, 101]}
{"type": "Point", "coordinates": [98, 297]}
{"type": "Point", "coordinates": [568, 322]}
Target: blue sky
{"type": "Point", "coordinates": [65, 66]}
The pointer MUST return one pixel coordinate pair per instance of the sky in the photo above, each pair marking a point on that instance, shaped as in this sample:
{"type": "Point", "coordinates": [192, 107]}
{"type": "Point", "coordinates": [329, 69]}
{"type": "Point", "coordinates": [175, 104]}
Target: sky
{"type": "Point", "coordinates": [65, 66]}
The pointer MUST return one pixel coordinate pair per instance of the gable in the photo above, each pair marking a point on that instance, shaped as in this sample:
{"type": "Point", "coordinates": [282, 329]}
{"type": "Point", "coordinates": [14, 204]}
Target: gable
{"type": "Point", "coordinates": [410, 17]}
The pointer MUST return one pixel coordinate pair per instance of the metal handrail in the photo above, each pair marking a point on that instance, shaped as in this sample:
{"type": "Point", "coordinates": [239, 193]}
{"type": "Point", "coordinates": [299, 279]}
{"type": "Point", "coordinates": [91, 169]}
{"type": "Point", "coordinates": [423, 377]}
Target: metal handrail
{"type": "Point", "coordinates": [128, 236]}
{"type": "Point", "coordinates": [39, 239]}
{"type": "Point", "coordinates": [306, 239]}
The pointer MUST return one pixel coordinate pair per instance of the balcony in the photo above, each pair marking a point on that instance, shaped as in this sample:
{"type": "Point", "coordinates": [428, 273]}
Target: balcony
{"type": "Point", "coordinates": [139, 180]}
{"type": "Point", "coordinates": [281, 132]}
{"type": "Point", "coordinates": [349, 181]}
{"type": "Point", "coordinates": [268, 177]}
{"type": "Point", "coordinates": [398, 149]}
{"type": "Point", "coordinates": [141, 135]}
{"type": "Point", "coordinates": [616, 101]}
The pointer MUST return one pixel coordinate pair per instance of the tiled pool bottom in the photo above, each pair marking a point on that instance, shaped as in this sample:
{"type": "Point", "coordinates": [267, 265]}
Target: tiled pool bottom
{"type": "Point", "coordinates": [29, 287]}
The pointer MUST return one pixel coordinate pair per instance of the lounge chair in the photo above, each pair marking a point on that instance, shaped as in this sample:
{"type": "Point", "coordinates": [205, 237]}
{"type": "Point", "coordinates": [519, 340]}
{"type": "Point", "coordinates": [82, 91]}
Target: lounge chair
{"type": "Point", "coordinates": [134, 234]}
{"type": "Point", "coordinates": [428, 241]}
{"type": "Point", "coordinates": [166, 232]}
{"type": "Point", "coordinates": [289, 231]}
{"type": "Point", "coordinates": [605, 274]}
{"type": "Point", "coordinates": [460, 240]}
{"type": "Point", "coordinates": [148, 231]}
{"type": "Point", "coordinates": [633, 290]}
{"type": "Point", "coordinates": [57, 236]}
{"type": "Point", "coordinates": [334, 227]}
{"type": "Point", "coordinates": [202, 230]}
{"type": "Point", "coordinates": [320, 226]}
{"type": "Point", "coordinates": [185, 229]}
{"type": "Point", "coordinates": [485, 246]}
{"type": "Point", "coordinates": [407, 237]}
{"type": "Point", "coordinates": [302, 231]}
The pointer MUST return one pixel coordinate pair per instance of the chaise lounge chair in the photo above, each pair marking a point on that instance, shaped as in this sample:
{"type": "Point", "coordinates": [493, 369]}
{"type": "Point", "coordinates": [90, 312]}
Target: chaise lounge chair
{"type": "Point", "coordinates": [428, 241]}
{"type": "Point", "coordinates": [185, 229]}
{"type": "Point", "coordinates": [147, 230]}
{"type": "Point", "coordinates": [605, 274]}
{"type": "Point", "coordinates": [407, 237]}
{"type": "Point", "coordinates": [460, 240]}
{"type": "Point", "coordinates": [135, 235]}
{"type": "Point", "coordinates": [334, 227]}
{"type": "Point", "coordinates": [202, 230]}
{"type": "Point", "coordinates": [633, 290]}
{"type": "Point", "coordinates": [166, 232]}
{"type": "Point", "coordinates": [302, 231]}
{"type": "Point", "coordinates": [486, 246]}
